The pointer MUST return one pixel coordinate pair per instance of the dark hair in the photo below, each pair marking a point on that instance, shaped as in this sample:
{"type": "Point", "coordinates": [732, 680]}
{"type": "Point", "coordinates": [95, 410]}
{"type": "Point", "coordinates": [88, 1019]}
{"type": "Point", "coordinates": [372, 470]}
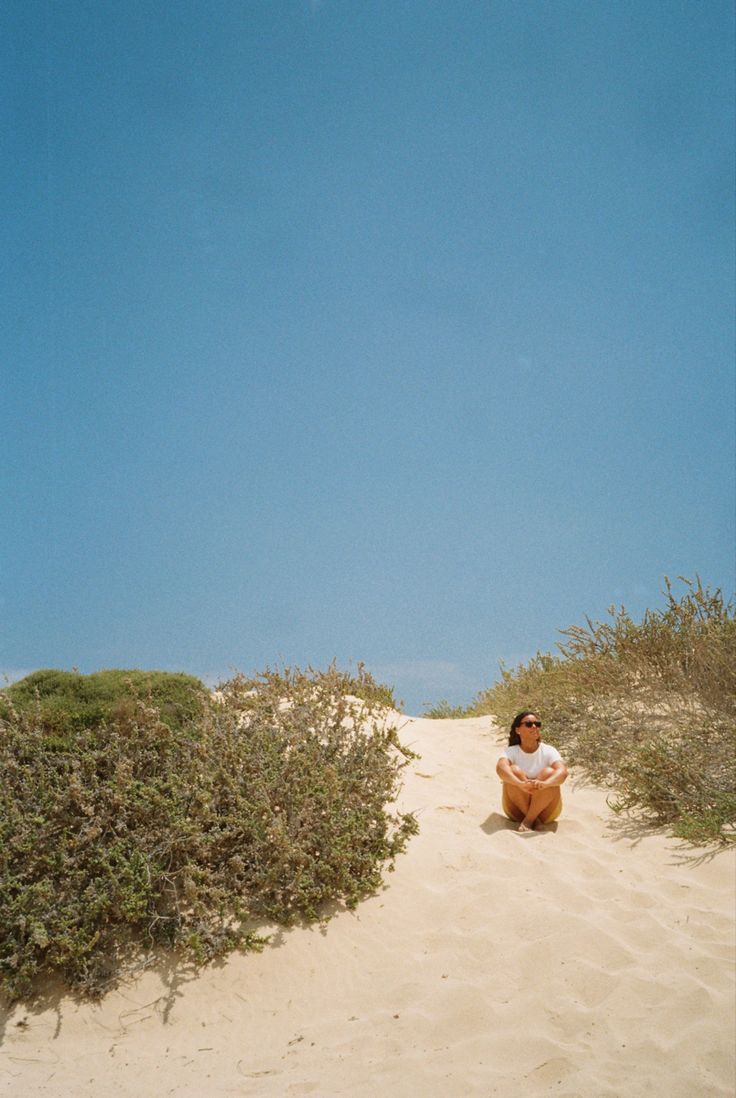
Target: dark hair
{"type": "Point", "coordinates": [514, 737]}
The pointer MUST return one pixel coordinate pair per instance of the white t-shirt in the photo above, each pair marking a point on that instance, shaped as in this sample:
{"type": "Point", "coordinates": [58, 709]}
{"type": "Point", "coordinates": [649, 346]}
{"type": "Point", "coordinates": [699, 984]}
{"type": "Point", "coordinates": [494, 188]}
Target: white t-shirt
{"type": "Point", "coordinates": [535, 762]}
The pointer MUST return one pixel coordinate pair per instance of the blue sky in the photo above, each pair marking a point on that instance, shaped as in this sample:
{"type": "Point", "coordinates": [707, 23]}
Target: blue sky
{"type": "Point", "coordinates": [389, 331]}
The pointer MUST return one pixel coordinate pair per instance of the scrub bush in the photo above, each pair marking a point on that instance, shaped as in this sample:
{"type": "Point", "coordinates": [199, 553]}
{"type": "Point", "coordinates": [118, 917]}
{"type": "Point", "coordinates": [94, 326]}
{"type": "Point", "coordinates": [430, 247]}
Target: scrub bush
{"type": "Point", "coordinates": [361, 685]}
{"type": "Point", "coordinates": [267, 804]}
{"type": "Point", "coordinates": [443, 711]}
{"type": "Point", "coordinates": [648, 708]}
{"type": "Point", "coordinates": [65, 701]}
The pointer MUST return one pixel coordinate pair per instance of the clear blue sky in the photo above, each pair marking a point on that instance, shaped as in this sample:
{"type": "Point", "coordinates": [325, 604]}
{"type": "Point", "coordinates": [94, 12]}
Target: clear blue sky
{"type": "Point", "coordinates": [387, 331]}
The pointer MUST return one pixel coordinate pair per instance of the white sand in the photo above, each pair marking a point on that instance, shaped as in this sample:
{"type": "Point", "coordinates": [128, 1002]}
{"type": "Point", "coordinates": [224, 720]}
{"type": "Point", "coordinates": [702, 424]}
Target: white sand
{"type": "Point", "coordinates": [589, 961]}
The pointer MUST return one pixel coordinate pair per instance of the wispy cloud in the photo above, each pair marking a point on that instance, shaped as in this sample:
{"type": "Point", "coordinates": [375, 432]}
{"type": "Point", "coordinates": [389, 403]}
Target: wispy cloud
{"type": "Point", "coordinates": [437, 674]}
{"type": "Point", "coordinates": [420, 682]}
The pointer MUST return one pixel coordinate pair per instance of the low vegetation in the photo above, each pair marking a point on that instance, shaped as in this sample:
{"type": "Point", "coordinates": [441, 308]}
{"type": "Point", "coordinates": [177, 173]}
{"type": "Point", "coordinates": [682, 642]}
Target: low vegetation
{"type": "Point", "coordinates": [444, 711]}
{"type": "Point", "coordinates": [138, 812]}
{"type": "Point", "coordinates": [65, 701]}
{"type": "Point", "coordinates": [647, 708]}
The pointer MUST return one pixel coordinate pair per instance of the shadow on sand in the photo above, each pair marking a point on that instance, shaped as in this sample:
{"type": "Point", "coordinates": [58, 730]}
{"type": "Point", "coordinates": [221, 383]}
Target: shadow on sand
{"type": "Point", "coordinates": [634, 829]}
{"type": "Point", "coordinates": [50, 993]}
{"type": "Point", "coordinates": [497, 822]}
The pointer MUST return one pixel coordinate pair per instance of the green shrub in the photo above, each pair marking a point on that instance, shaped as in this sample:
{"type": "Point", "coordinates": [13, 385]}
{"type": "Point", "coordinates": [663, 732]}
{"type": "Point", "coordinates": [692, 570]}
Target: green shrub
{"type": "Point", "coordinates": [65, 701]}
{"type": "Point", "coordinates": [268, 804]}
{"type": "Point", "coordinates": [648, 708]}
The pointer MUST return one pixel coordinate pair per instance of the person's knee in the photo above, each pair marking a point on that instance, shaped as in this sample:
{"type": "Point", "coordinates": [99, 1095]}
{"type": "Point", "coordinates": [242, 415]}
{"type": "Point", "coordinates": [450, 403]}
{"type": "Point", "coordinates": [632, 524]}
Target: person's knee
{"type": "Point", "coordinates": [546, 773]}
{"type": "Point", "coordinates": [551, 811]}
{"type": "Point", "coordinates": [518, 772]}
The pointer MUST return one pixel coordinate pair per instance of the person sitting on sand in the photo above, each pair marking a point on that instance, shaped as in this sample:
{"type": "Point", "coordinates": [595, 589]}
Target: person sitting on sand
{"type": "Point", "coordinates": [532, 773]}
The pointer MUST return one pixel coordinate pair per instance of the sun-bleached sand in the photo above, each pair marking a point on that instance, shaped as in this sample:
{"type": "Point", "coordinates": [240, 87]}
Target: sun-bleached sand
{"type": "Point", "coordinates": [593, 959]}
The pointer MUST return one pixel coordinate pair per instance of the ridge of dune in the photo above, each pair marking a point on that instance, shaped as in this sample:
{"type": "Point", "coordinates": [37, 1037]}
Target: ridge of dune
{"type": "Point", "coordinates": [593, 959]}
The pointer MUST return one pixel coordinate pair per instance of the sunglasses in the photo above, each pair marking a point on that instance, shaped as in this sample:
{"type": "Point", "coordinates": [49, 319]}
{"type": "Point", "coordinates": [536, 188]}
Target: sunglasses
{"type": "Point", "coordinates": [532, 724]}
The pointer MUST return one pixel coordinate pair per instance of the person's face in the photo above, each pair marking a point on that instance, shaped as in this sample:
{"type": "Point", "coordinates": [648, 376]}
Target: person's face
{"type": "Point", "coordinates": [529, 732]}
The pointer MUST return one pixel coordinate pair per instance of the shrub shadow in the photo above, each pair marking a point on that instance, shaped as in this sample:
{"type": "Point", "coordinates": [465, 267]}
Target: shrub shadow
{"type": "Point", "coordinates": [633, 828]}
{"type": "Point", "coordinates": [50, 993]}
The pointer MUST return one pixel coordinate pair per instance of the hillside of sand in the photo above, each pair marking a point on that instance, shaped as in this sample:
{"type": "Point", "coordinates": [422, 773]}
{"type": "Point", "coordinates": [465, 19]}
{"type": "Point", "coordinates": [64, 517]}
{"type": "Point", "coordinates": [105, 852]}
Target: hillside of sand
{"type": "Point", "coordinates": [593, 959]}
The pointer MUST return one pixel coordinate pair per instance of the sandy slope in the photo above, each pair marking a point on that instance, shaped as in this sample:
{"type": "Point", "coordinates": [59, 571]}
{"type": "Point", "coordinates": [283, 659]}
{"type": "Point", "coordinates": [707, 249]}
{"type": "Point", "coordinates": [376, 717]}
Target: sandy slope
{"type": "Point", "coordinates": [587, 961]}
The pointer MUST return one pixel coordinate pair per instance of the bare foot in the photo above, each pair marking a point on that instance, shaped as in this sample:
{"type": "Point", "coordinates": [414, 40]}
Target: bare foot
{"type": "Point", "coordinates": [524, 827]}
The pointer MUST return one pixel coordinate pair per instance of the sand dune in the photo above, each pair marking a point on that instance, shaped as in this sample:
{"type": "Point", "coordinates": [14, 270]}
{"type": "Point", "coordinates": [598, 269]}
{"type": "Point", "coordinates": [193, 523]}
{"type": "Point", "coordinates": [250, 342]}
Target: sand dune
{"type": "Point", "coordinates": [594, 959]}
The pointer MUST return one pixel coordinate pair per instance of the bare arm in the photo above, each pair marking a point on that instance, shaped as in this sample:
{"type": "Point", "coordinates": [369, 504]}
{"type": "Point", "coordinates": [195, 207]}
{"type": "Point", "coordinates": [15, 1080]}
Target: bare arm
{"type": "Point", "coordinates": [555, 774]}
{"type": "Point", "coordinates": [506, 774]}
{"type": "Point", "coordinates": [557, 777]}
